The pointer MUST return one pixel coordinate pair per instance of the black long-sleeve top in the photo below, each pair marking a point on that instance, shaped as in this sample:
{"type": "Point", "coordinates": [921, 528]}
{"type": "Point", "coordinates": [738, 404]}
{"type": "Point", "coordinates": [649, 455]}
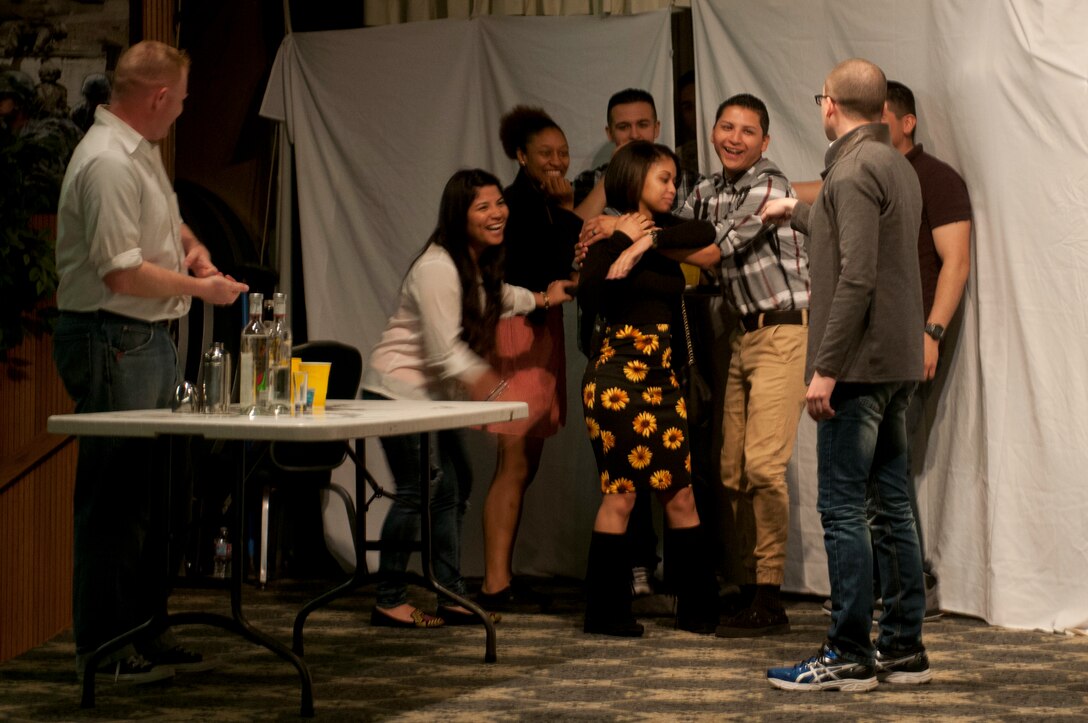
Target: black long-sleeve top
{"type": "Point", "coordinates": [539, 238]}
{"type": "Point", "coordinates": [650, 293]}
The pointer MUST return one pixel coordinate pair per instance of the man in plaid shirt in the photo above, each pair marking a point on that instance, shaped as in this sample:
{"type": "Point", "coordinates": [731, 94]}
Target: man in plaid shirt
{"type": "Point", "coordinates": [766, 277]}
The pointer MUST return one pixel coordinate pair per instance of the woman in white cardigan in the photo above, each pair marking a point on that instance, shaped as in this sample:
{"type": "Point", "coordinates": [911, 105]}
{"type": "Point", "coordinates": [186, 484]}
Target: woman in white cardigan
{"type": "Point", "coordinates": [434, 347]}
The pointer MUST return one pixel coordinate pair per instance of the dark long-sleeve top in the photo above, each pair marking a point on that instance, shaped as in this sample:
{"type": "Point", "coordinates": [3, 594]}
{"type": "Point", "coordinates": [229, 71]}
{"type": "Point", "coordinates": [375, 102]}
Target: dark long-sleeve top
{"type": "Point", "coordinates": [651, 291]}
{"type": "Point", "coordinates": [539, 238]}
{"type": "Point", "coordinates": [866, 292]}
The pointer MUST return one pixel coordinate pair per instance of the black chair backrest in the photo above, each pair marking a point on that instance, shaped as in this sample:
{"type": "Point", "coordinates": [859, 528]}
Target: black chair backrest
{"type": "Point", "coordinates": [345, 374]}
{"type": "Point", "coordinates": [347, 365]}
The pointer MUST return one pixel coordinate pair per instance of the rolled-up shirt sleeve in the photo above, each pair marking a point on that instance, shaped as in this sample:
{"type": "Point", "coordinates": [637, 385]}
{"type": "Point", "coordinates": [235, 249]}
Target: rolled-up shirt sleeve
{"type": "Point", "coordinates": [111, 197]}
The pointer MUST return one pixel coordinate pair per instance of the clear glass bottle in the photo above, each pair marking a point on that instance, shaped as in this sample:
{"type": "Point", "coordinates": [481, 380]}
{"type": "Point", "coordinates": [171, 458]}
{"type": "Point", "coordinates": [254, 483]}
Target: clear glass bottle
{"type": "Point", "coordinates": [279, 358]}
{"type": "Point", "coordinates": [253, 361]}
{"type": "Point", "coordinates": [268, 313]}
{"type": "Point", "coordinates": [221, 558]}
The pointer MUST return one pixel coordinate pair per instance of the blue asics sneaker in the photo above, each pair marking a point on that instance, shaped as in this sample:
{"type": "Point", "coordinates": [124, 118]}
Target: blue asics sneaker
{"type": "Point", "coordinates": [907, 669]}
{"type": "Point", "coordinates": [827, 670]}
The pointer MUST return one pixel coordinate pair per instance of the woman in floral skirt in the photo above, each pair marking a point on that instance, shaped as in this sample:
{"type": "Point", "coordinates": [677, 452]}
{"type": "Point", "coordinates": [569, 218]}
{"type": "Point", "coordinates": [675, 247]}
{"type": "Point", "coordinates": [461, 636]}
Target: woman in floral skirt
{"type": "Point", "coordinates": [635, 413]}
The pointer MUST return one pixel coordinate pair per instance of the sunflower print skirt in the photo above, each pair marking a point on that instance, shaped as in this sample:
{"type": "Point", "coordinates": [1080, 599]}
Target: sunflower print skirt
{"type": "Point", "coordinates": [636, 416]}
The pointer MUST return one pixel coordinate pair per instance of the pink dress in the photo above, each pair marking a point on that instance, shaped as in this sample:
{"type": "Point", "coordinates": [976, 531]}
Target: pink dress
{"type": "Point", "coordinates": [531, 358]}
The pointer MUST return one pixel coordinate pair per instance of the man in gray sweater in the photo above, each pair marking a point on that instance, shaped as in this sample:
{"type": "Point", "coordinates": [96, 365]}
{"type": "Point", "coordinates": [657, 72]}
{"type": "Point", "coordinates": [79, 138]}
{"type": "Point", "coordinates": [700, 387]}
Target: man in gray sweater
{"type": "Point", "coordinates": [864, 359]}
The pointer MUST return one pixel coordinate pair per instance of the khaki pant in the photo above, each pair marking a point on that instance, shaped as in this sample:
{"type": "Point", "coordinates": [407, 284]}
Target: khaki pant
{"type": "Point", "coordinates": [764, 396]}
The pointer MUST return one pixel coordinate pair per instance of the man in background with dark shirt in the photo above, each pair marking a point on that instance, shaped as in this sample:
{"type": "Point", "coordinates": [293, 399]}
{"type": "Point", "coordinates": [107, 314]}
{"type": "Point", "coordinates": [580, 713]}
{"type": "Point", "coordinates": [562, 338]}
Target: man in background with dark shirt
{"type": "Point", "coordinates": [944, 260]}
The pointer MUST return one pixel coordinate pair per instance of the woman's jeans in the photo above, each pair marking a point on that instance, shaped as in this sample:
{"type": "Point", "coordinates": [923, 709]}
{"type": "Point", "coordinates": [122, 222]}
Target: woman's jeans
{"type": "Point", "coordinates": [111, 363]}
{"type": "Point", "coordinates": [864, 504]}
{"type": "Point", "coordinates": [451, 484]}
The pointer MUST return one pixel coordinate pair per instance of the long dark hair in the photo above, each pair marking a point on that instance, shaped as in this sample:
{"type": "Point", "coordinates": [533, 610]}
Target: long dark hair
{"type": "Point", "coordinates": [477, 321]}
{"type": "Point", "coordinates": [627, 172]}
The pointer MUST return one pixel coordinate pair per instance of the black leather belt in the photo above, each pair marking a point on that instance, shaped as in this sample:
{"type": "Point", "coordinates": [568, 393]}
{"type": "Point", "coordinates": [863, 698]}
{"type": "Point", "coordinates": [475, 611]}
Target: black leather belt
{"type": "Point", "coordinates": [752, 322]}
{"type": "Point", "coordinates": [103, 315]}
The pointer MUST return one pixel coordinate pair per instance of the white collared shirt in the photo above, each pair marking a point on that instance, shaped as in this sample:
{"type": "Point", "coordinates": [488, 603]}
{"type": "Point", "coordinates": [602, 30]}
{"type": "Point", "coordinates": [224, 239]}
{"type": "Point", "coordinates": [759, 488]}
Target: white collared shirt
{"type": "Point", "coordinates": [117, 210]}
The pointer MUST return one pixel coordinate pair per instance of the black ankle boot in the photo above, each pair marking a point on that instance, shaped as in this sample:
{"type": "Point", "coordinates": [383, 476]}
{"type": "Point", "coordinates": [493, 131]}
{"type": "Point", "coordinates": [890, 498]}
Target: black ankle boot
{"type": "Point", "coordinates": [608, 588]}
{"type": "Point", "coordinates": [736, 602]}
{"type": "Point", "coordinates": [765, 616]}
{"type": "Point", "coordinates": [693, 580]}
{"type": "Point", "coordinates": [768, 597]}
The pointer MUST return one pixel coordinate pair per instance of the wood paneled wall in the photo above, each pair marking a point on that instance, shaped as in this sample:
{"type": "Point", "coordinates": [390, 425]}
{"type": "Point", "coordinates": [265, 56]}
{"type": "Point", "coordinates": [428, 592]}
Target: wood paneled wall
{"type": "Point", "coordinates": [159, 24]}
{"type": "Point", "coordinates": [37, 477]}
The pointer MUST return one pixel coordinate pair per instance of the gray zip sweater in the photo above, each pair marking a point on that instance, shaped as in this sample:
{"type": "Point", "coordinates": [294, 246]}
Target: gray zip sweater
{"type": "Point", "coordinates": [865, 314]}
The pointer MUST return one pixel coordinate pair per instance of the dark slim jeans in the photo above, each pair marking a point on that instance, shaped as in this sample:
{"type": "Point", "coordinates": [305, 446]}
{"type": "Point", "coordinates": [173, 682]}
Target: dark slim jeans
{"type": "Point", "coordinates": [108, 364]}
{"type": "Point", "coordinates": [863, 467]}
{"type": "Point", "coordinates": [451, 485]}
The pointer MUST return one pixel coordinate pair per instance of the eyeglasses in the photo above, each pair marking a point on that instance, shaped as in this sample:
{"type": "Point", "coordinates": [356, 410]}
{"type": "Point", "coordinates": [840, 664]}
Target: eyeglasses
{"type": "Point", "coordinates": [819, 98]}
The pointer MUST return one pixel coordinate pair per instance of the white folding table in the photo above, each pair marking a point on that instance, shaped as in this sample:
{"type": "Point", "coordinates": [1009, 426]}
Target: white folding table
{"type": "Point", "coordinates": [340, 420]}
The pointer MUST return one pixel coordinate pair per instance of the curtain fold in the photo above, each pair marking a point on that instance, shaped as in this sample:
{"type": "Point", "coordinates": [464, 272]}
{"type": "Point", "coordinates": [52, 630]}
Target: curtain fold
{"type": "Point", "coordinates": [1001, 97]}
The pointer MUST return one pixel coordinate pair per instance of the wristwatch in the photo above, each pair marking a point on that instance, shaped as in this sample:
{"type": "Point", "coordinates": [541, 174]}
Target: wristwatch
{"type": "Point", "coordinates": [935, 331]}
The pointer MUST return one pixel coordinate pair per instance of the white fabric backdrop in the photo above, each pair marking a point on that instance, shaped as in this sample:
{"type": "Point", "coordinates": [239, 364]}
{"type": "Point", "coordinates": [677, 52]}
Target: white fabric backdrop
{"type": "Point", "coordinates": [1002, 96]}
{"type": "Point", "coordinates": [381, 117]}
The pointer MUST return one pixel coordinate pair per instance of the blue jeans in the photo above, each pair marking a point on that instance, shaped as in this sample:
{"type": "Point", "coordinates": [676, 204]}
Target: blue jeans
{"type": "Point", "coordinates": [863, 470]}
{"type": "Point", "coordinates": [110, 363]}
{"type": "Point", "coordinates": [451, 485]}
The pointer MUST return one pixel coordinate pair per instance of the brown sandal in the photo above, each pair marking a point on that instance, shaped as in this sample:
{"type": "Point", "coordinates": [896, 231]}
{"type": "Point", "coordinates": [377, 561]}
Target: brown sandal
{"type": "Point", "coordinates": [456, 617]}
{"type": "Point", "coordinates": [420, 619]}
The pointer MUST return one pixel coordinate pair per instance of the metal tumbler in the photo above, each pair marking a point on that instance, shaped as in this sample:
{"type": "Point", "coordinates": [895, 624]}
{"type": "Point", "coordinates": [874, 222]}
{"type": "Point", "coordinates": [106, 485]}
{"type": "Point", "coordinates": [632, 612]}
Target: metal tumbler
{"type": "Point", "coordinates": [216, 379]}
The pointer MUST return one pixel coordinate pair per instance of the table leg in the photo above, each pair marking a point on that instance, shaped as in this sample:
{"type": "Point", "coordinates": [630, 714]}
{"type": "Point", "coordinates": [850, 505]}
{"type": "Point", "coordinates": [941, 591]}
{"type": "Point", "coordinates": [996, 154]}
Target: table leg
{"type": "Point", "coordinates": [87, 700]}
{"type": "Point", "coordinates": [358, 534]}
{"type": "Point", "coordinates": [426, 549]}
{"type": "Point", "coordinates": [241, 624]}
{"type": "Point", "coordinates": [237, 623]}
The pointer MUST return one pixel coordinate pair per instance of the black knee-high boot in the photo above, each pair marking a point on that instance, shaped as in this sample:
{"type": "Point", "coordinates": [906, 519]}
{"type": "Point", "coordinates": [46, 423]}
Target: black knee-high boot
{"type": "Point", "coordinates": [688, 565]}
{"type": "Point", "coordinates": [608, 588]}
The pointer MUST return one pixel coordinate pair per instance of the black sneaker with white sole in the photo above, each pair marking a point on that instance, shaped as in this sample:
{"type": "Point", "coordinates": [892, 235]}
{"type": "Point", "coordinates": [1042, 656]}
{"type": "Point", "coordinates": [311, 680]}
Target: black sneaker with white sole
{"type": "Point", "coordinates": [134, 669]}
{"type": "Point", "coordinates": [181, 660]}
{"type": "Point", "coordinates": [904, 669]}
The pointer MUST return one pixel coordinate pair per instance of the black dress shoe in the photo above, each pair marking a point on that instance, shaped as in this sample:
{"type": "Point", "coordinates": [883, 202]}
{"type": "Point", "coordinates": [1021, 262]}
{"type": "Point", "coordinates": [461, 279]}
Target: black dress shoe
{"type": "Point", "coordinates": [419, 619]}
{"type": "Point", "coordinates": [514, 597]}
{"type": "Point", "coordinates": [617, 628]}
{"type": "Point", "coordinates": [755, 622]}
{"type": "Point", "coordinates": [456, 617]}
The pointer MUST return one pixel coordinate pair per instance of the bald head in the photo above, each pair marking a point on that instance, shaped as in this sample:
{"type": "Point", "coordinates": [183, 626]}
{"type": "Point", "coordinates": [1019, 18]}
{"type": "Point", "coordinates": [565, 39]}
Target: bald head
{"type": "Point", "coordinates": [146, 67]}
{"type": "Point", "coordinates": [859, 89]}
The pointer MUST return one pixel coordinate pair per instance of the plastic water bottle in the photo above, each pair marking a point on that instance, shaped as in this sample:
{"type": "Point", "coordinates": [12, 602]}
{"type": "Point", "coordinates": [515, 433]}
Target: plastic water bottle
{"type": "Point", "coordinates": [221, 567]}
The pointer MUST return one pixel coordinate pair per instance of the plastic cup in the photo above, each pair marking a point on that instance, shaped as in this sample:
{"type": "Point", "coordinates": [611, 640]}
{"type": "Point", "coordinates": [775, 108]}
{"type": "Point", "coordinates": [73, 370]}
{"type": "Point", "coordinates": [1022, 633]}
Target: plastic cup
{"type": "Point", "coordinates": [298, 390]}
{"type": "Point", "coordinates": [317, 379]}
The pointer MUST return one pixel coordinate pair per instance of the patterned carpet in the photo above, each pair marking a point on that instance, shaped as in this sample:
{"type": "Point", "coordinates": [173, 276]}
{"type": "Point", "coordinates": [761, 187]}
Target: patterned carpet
{"type": "Point", "coordinates": [549, 670]}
